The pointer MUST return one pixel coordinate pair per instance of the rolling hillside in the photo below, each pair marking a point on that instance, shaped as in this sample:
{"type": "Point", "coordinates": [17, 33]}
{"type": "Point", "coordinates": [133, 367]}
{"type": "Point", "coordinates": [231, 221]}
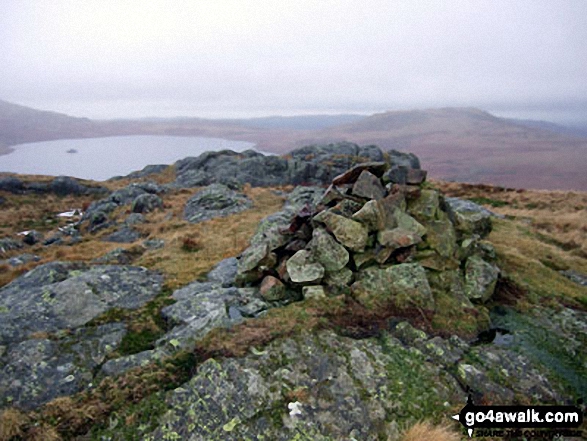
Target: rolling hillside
{"type": "Point", "coordinates": [455, 144]}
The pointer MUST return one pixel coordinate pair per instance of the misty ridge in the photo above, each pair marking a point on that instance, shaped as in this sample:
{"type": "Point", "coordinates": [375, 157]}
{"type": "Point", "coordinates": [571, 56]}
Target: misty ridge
{"type": "Point", "coordinates": [458, 144]}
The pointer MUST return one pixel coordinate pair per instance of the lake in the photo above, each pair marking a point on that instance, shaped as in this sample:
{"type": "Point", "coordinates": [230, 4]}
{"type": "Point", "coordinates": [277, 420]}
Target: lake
{"type": "Point", "coordinates": [103, 158]}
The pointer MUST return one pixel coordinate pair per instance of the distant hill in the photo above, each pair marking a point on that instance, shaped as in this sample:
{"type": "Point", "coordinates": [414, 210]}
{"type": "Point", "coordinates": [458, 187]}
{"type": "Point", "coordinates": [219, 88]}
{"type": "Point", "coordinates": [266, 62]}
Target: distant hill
{"type": "Point", "coordinates": [459, 144]}
{"type": "Point", "coordinates": [20, 124]}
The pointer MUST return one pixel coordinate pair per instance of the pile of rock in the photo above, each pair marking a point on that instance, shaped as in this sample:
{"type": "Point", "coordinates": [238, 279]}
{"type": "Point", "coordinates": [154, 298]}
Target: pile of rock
{"type": "Point", "coordinates": [380, 234]}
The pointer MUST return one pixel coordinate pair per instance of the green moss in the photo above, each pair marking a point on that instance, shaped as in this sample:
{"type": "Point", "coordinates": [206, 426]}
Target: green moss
{"type": "Point", "coordinates": [488, 201]}
{"type": "Point", "coordinates": [133, 421]}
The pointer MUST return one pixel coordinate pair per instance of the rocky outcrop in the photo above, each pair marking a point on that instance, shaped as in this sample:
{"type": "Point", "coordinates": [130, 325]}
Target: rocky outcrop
{"type": "Point", "coordinates": [61, 186]}
{"type": "Point", "coordinates": [216, 200]}
{"type": "Point", "coordinates": [389, 245]}
{"type": "Point", "coordinates": [62, 295]}
{"type": "Point", "coordinates": [311, 165]}
{"type": "Point", "coordinates": [47, 351]}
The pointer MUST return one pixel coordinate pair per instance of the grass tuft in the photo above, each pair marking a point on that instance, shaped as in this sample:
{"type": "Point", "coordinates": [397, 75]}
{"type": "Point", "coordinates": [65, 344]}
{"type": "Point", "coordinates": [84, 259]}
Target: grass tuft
{"type": "Point", "coordinates": [426, 431]}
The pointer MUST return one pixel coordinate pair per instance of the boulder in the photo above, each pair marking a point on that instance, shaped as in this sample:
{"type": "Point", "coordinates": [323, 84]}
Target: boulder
{"type": "Point", "coordinates": [146, 203]}
{"type": "Point", "coordinates": [302, 268]}
{"type": "Point", "coordinates": [327, 251]}
{"type": "Point", "coordinates": [352, 175]}
{"type": "Point", "coordinates": [468, 217]}
{"type": "Point", "coordinates": [398, 238]}
{"type": "Point", "coordinates": [272, 289]}
{"type": "Point", "coordinates": [216, 200]}
{"type": "Point", "coordinates": [368, 186]}
{"type": "Point", "coordinates": [123, 235]}
{"type": "Point", "coordinates": [402, 286]}
{"type": "Point", "coordinates": [40, 370]}
{"type": "Point", "coordinates": [11, 185]}
{"type": "Point", "coordinates": [61, 295]}
{"type": "Point", "coordinates": [480, 279]}
{"type": "Point", "coordinates": [349, 233]}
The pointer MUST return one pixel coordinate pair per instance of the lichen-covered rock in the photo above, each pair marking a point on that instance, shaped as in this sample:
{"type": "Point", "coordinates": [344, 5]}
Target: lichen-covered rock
{"type": "Point", "coordinates": [402, 286]}
{"type": "Point", "coordinates": [327, 251]}
{"type": "Point", "coordinates": [398, 238]}
{"type": "Point", "coordinates": [302, 268]}
{"type": "Point", "coordinates": [123, 235]}
{"type": "Point", "coordinates": [468, 217]}
{"type": "Point", "coordinates": [313, 292]}
{"type": "Point", "coordinates": [146, 203]}
{"type": "Point", "coordinates": [344, 389]}
{"type": "Point", "coordinates": [480, 279]}
{"type": "Point", "coordinates": [351, 234]}
{"type": "Point", "coordinates": [425, 207]}
{"type": "Point", "coordinates": [216, 200]}
{"type": "Point", "coordinates": [37, 371]}
{"type": "Point", "coordinates": [61, 295]}
{"type": "Point", "coordinates": [368, 186]}
{"type": "Point", "coordinates": [8, 244]}
{"type": "Point", "coordinates": [272, 289]}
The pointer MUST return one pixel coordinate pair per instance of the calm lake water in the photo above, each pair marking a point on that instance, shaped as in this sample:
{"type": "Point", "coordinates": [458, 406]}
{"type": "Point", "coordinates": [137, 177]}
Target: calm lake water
{"type": "Point", "coordinates": [103, 158]}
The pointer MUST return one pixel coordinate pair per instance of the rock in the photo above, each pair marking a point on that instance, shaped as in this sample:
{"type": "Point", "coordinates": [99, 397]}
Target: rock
{"type": "Point", "coordinates": [147, 171]}
{"type": "Point", "coordinates": [398, 238]}
{"type": "Point", "coordinates": [154, 244]}
{"type": "Point", "coordinates": [368, 186]}
{"type": "Point", "coordinates": [575, 276]}
{"type": "Point", "coordinates": [353, 174]}
{"type": "Point", "coordinates": [408, 223]}
{"type": "Point", "coordinates": [97, 220]}
{"type": "Point", "coordinates": [253, 257]}
{"type": "Point", "coordinates": [425, 208]}
{"type": "Point", "coordinates": [327, 251]}
{"type": "Point", "coordinates": [303, 269]}
{"type": "Point", "coordinates": [313, 292]}
{"type": "Point", "coordinates": [339, 279]}
{"type": "Point", "coordinates": [60, 295]}
{"type": "Point", "coordinates": [351, 234]}
{"type": "Point", "coordinates": [224, 273]}
{"type": "Point", "coordinates": [146, 203]}
{"type": "Point", "coordinates": [23, 259]}
{"type": "Point", "coordinates": [403, 286]}
{"type": "Point", "coordinates": [32, 237]}
{"type": "Point", "coordinates": [408, 160]}
{"type": "Point", "coordinates": [468, 217]}
{"type": "Point", "coordinates": [345, 385]}
{"type": "Point", "coordinates": [415, 176]}
{"type": "Point", "coordinates": [127, 194]}
{"type": "Point", "coordinates": [11, 185]}
{"type": "Point", "coordinates": [39, 371]}
{"type": "Point", "coordinates": [442, 238]}
{"type": "Point", "coordinates": [134, 219]}
{"type": "Point", "coordinates": [8, 244]}
{"type": "Point", "coordinates": [310, 165]}
{"type": "Point", "coordinates": [272, 289]}
{"type": "Point", "coordinates": [480, 279]}
{"type": "Point", "coordinates": [123, 235]}
{"type": "Point", "coordinates": [65, 186]}
{"type": "Point", "coordinates": [120, 256]}
{"type": "Point", "coordinates": [216, 200]}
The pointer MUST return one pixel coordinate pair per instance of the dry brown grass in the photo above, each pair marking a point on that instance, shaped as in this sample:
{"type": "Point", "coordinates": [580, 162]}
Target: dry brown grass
{"type": "Point", "coordinates": [12, 424]}
{"type": "Point", "coordinates": [558, 216]}
{"type": "Point", "coordinates": [216, 239]}
{"type": "Point", "coordinates": [426, 431]}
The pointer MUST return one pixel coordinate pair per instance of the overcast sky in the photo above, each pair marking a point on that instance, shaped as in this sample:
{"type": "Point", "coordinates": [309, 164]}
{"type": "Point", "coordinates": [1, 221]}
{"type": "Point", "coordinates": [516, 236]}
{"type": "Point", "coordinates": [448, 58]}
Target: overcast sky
{"type": "Point", "coordinates": [214, 58]}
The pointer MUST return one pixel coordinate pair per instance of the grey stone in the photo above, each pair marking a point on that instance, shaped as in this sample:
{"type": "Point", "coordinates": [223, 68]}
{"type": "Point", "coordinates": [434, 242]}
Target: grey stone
{"type": "Point", "coordinates": [327, 251]}
{"type": "Point", "coordinates": [303, 269]}
{"type": "Point", "coordinates": [368, 186]}
{"type": "Point", "coordinates": [351, 234]}
{"type": "Point", "coordinates": [123, 235]}
{"type": "Point", "coordinates": [61, 295]}
{"type": "Point", "coordinates": [216, 200]}
{"type": "Point", "coordinates": [32, 237]}
{"type": "Point", "coordinates": [480, 279]}
{"type": "Point", "coordinates": [146, 203]}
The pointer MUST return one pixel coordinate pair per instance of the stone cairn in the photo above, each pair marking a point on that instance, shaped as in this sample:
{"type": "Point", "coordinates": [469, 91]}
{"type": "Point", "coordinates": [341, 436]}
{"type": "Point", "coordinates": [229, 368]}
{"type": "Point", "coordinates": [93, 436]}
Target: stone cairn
{"type": "Point", "coordinates": [380, 234]}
